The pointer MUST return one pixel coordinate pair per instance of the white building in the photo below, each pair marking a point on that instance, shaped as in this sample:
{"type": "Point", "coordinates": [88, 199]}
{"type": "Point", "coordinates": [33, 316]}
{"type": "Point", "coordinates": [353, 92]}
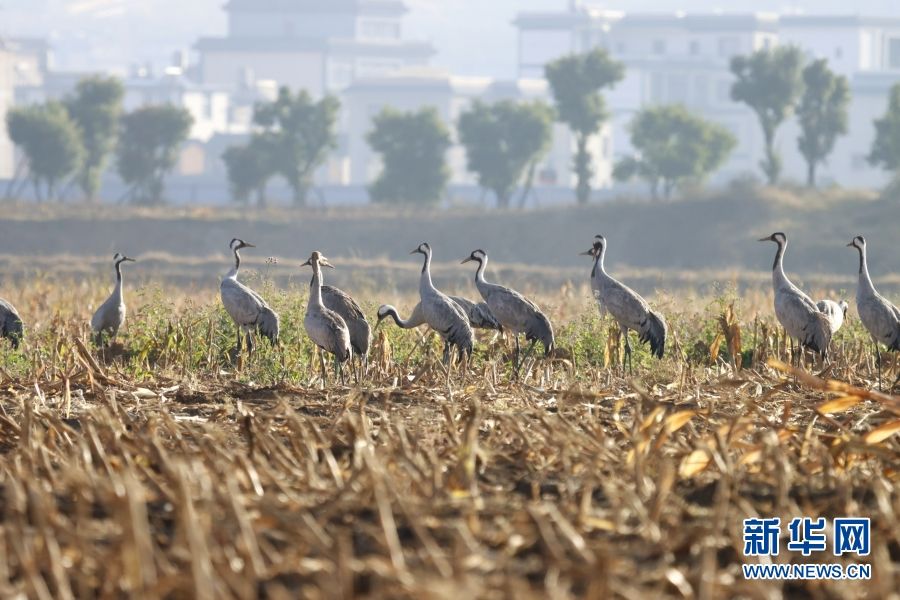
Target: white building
{"type": "Point", "coordinates": [684, 59]}
{"type": "Point", "coordinates": [22, 62]}
{"type": "Point", "coordinates": [309, 44]}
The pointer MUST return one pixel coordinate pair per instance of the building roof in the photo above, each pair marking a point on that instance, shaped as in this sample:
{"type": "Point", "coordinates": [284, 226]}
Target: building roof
{"type": "Point", "coordinates": [288, 45]}
{"type": "Point", "coordinates": [702, 22]}
{"type": "Point", "coordinates": [366, 7]}
{"type": "Point", "coordinates": [849, 20]}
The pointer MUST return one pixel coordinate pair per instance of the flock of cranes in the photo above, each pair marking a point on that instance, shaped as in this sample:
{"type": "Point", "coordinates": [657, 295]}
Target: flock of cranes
{"type": "Point", "coordinates": [336, 323]}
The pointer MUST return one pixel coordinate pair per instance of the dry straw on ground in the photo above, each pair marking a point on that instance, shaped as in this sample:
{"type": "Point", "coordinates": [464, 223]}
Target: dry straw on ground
{"type": "Point", "coordinates": [573, 482]}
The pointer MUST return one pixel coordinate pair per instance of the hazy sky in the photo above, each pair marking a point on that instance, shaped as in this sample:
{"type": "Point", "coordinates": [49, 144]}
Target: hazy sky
{"type": "Point", "coordinates": [473, 37]}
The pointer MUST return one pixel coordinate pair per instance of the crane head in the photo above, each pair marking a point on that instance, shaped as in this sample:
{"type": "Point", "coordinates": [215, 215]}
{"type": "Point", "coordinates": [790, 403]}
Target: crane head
{"type": "Point", "coordinates": [237, 244]}
{"type": "Point", "coordinates": [316, 258]}
{"type": "Point", "coordinates": [422, 248]}
{"type": "Point", "coordinates": [384, 311]}
{"type": "Point", "coordinates": [476, 255]}
{"type": "Point", "coordinates": [777, 237]}
{"type": "Point", "coordinates": [120, 258]}
{"type": "Point", "coordinates": [859, 242]}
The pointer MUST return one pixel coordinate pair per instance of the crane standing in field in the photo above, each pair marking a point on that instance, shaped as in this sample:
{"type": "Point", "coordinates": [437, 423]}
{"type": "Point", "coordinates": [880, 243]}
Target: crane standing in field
{"type": "Point", "coordinates": [479, 313]}
{"type": "Point", "coordinates": [799, 315]}
{"type": "Point", "coordinates": [835, 312]}
{"type": "Point", "coordinates": [629, 309]}
{"type": "Point", "coordinates": [349, 310]}
{"type": "Point", "coordinates": [441, 313]}
{"type": "Point", "coordinates": [11, 326]}
{"type": "Point", "coordinates": [880, 318]}
{"type": "Point", "coordinates": [514, 311]}
{"type": "Point", "coordinates": [247, 308]}
{"type": "Point", "coordinates": [324, 326]}
{"type": "Point", "coordinates": [480, 316]}
{"type": "Point", "coordinates": [110, 316]}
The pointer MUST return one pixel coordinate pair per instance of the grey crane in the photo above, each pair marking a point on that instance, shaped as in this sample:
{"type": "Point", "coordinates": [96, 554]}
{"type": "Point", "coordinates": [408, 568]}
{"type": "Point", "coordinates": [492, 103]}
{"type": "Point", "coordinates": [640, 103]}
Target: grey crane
{"type": "Point", "coordinates": [360, 332]}
{"type": "Point", "coordinates": [796, 312]}
{"type": "Point", "coordinates": [880, 318]}
{"type": "Point", "coordinates": [441, 313]}
{"type": "Point", "coordinates": [480, 315]}
{"type": "Point", "coordinates": [626, 306]}
{"type": "Point", "coordinates": [110, 316]}
{"type": "Point", "coordinates": [11, 326]}
{"type": "Point", "coordinates": [835, 312]}
{"type": "Point", "coordinates": [324, 326]}
{"type": "Point", "coordinates": [247, 308]}
{"type": "Point", "coordinates": [514, 311]}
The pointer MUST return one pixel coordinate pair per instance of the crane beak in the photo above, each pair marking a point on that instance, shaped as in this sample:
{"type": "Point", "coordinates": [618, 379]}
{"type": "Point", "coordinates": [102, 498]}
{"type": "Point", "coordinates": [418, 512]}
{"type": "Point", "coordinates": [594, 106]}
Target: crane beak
{"type": "Point", "coordinates": [129, 259]}
{"type": "Point", "coordinates": [416, 251]}
{"type": "Point", "coordinates": [246, 245]}
{"type": "Point", "coordinates": [587, 253]}
{"type": "Point", "coordinates": [467, 259]}
{"type": "Point", "coordinates": [306, 264]}
{"type": "Point", "coordinates": [324, 263]}
{"type": "Point", "coordinates": [851, 245]}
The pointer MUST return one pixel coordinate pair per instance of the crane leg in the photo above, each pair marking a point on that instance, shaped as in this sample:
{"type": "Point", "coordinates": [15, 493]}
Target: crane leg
{"type": "Point", "coordinates": [322, 365]}
{"type": "Point", "coordinates": [446, 357]}
{"type": "Point", "coordinates": [237, 350]}
{"type": "Point", "coordinates": [249, 344]}
{"type": "Point", "coordinates": [516, 361]}
{"type": "Point", "coordinates": [527, 354]}
{"type": "Point", "coordinates": [626, 357]}
{"type": "Point", "coordinates": [878, 364]}
{"type": "Point", "coordinates": [338, 367]}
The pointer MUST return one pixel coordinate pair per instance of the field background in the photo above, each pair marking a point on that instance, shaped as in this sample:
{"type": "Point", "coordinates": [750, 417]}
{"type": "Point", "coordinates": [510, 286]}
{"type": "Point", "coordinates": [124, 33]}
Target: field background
{"type": "Point", "coordinates": [694, 244]}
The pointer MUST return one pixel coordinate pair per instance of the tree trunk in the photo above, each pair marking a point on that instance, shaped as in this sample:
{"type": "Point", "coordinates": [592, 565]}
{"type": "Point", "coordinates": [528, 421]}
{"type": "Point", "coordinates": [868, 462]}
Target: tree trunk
{"type": "Point", "coordinates": [583, 170]}
{"type": "Point", "coordinates": [502, 199]}
{"type": "Point", "coordinates": [668, 186]}
{"type": "Point", "coordinates": [529, 184]}
{"type": "Point", "coordinates": [771, 163]}
{"type": "Point", "coordinates": [261, 200]}
{"type": "Point", "coordinates": [811, 173]}
{"type": "Point", "coordinates": [20, 164]}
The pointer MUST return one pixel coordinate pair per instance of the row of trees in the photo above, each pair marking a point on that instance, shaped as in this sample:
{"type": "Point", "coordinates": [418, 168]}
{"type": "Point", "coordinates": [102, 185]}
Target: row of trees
{"type": "Point", "coordinates": [294, 134]}
{"type": "Point", "coordinates": [68, 144]}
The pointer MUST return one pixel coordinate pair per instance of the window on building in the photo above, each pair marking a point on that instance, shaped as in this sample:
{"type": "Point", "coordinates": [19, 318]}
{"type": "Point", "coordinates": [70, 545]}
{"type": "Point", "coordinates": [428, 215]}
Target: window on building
{"type": "Point", "coordinates": [694, 48]}
{"type": "Point", "coordinates": [659, 46]}
{"type": "Point", "coordinates": [728, 46]}
{"type": "Point", "coordinates": [723, 91]}
{"type": "Point", "coordinates": [839, 53]}
{"type": "Point", "coordinates": [678, 88]}
{"type": "Point", "coordinates": [894, 53]}
{"type": "Point", "coordinates": [657, 83]}
{"type": "Point", "coordinates": [701, 90]}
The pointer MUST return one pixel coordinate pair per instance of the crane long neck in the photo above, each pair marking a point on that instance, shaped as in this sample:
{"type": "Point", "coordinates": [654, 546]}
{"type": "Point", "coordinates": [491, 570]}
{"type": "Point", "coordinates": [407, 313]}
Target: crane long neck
{"type": "Point", "coordinates": [599, 262]}
{"type": "Point", "coordinates": [402, 323]}
{"type": "Point", "coordinates": [425, 282]}
{"type": "Point", "coordinates": [479, 272]}
{"type": "Point", "coordinates": [865, 281]}
{"type": "Point", "coordinates": [778, 275]}
{"type": "Point", "coordinates": [118, 290]}
{"type": "Point", "coordinates": [315, 286]}
{"type": "Point", "coordinates": [237, 264]}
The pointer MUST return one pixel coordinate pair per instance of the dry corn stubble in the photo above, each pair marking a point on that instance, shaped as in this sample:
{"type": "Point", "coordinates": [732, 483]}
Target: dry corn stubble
{"type": "Point", "coordinates": [157, 470]}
